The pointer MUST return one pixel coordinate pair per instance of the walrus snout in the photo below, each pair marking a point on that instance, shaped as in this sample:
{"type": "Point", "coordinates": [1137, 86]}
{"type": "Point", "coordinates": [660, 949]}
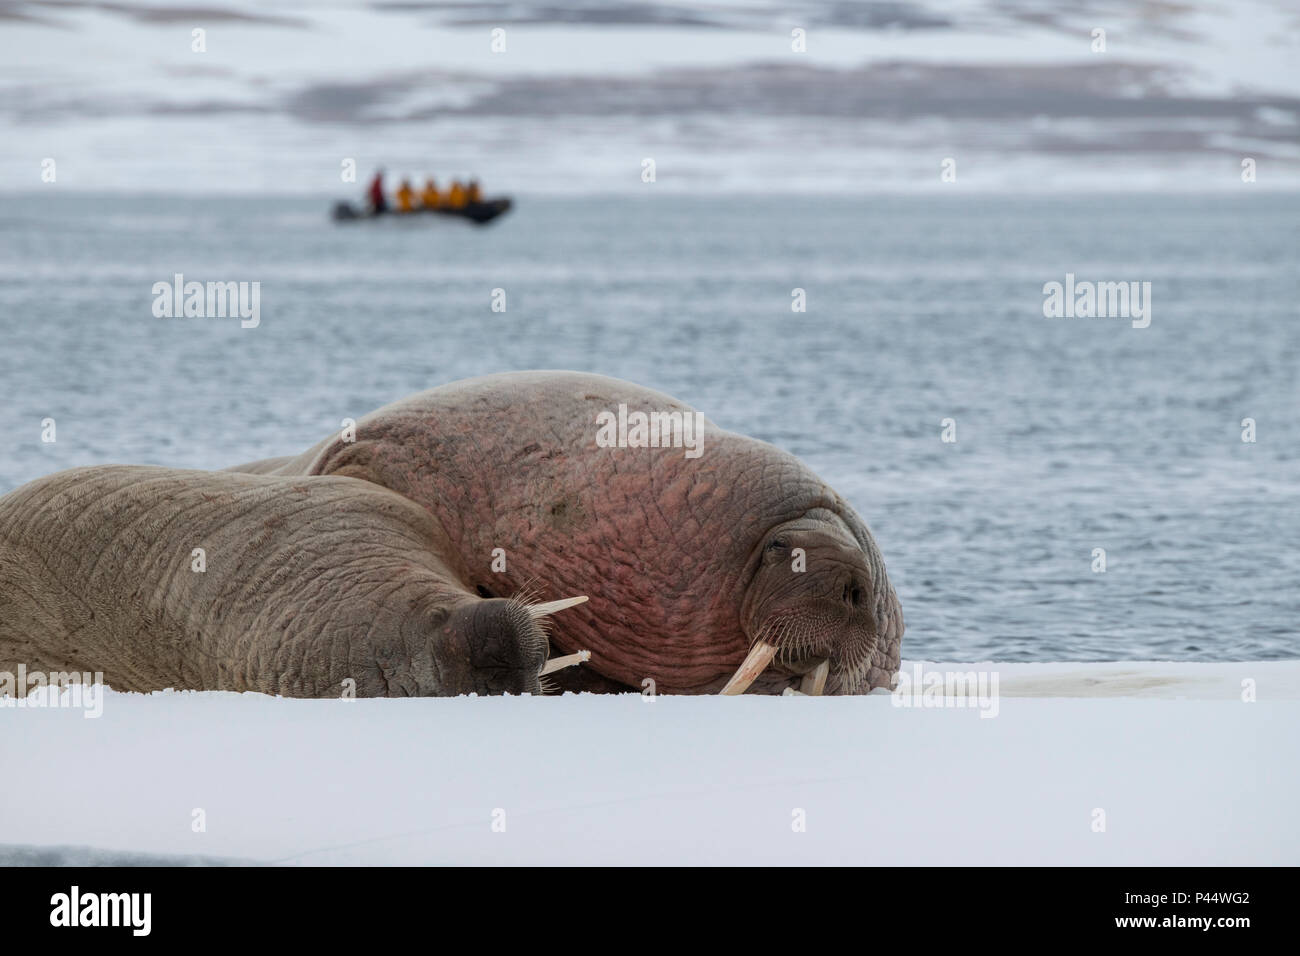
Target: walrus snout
{"type": "Point", "coordinates": [503, 646]}
{"type": "Point", "coordinates": [809, 611]}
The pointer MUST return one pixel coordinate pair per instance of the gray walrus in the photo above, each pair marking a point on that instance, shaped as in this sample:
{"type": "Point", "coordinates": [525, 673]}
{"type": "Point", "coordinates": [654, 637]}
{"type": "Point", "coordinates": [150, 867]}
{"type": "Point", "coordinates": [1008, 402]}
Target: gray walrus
{"type": "Point", "coordinates": [720, 566]}
{"type": "Point", "coordinates": [321, 587]}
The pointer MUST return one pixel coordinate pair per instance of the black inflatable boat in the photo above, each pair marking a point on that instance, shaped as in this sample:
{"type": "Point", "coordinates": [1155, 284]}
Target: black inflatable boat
{"type": "Point", "coordinates": [475, 212]}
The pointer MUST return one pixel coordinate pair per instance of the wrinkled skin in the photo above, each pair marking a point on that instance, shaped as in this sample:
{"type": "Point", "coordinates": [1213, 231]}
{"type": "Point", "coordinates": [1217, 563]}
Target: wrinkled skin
{"type": "Point", "coordinates": [687, 561]}
{"type": "Point", "coordinates": [307, 584]}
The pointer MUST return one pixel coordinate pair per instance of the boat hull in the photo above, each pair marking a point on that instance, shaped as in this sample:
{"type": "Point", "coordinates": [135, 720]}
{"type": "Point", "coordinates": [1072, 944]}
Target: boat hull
{"type": "Point", "coordinates": [477, 212]}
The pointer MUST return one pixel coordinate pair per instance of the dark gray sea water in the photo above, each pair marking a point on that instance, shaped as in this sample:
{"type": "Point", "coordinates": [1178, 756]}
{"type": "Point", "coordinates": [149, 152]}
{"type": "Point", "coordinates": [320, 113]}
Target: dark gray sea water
{"type": "Point", "coordinates": [1071, 434]}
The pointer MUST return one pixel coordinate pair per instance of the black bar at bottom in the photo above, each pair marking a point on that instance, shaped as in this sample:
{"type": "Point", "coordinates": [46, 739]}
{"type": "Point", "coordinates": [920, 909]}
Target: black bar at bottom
{"type": "Point", "coordinates": [735, 906]}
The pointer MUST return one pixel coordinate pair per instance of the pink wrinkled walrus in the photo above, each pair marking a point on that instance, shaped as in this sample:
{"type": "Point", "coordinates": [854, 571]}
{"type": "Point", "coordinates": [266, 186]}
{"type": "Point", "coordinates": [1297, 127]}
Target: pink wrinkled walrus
{"type": "Point", "coordinates": [714, 562]}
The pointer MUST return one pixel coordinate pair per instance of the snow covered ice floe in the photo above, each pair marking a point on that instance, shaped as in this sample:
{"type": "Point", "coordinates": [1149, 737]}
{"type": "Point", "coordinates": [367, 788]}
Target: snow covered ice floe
{"type": "Point", "coordinates": [1177, 760]}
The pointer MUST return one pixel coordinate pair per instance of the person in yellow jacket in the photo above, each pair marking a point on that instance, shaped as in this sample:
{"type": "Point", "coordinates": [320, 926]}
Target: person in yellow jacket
{"type": "Point", "coordinates": [456, 196]}
{"type": "Point", "coordinates": [474, 193]}
{"type": "Point", "coordinates": [405, 197]}
{"type": "Point", "coordinates": [429, 195]}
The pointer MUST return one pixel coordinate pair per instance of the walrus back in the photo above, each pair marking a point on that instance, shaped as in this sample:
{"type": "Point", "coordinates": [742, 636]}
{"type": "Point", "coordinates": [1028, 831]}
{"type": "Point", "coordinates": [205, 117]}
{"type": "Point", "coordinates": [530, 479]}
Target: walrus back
{"type": "Point", "coordinates": [165, 578]}
{"type": "Point", "coordinates": [59, 577]}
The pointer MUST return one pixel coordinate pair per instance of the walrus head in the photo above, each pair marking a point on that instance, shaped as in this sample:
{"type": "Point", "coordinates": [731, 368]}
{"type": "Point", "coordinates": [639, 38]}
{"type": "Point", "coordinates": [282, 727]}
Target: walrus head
{"type": "Point", "coordinates": [499, 646]}
{"type": "Point", "coordinates": [816, 608]}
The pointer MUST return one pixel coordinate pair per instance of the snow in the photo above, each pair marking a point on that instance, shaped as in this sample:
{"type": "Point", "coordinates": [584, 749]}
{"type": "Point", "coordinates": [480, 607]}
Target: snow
{"type": "Point", "coordinates": [1184, 769]}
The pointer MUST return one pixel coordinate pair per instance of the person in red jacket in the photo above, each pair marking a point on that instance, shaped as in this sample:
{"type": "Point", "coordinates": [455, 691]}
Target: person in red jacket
{"type": "Point", "coordinates": [375, 194]}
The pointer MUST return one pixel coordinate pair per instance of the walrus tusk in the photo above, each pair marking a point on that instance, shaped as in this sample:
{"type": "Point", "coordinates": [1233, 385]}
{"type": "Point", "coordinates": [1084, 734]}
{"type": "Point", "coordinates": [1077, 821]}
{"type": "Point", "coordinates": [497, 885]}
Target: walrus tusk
{"type": "Point", "coordinates": [760, 655]}
{"type": "Point", "coordinates": [550, 607]}
{"type": "Point", "coordinates": [559, 663]}
{"type": "Point", "coordinates": [814, 682]}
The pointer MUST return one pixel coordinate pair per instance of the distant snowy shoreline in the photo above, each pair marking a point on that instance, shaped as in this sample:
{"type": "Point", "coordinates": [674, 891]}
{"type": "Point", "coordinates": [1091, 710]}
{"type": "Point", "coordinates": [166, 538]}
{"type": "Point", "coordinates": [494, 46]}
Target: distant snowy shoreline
{"type": "Point", "coordinates": [574, 97]}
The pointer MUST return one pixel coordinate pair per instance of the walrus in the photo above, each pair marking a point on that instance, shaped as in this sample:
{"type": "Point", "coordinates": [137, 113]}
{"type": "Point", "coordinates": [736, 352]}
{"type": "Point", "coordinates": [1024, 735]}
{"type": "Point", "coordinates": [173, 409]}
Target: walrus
{"type": "Point", "coordinates": [326, 587]}
{"type": "Point", "coordinates": [713, 561]}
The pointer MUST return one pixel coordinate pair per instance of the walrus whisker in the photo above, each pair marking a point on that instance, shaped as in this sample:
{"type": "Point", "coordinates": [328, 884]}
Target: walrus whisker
{"type": "Point", "coordinates": [775, 635]}
{"type": "Point", "coordinates": [568, 660]}
{"type": "Point", "coordinates": [754, 663]}
{"type": "Point", "coordinates": [526, 594]}
{"type": "Point", "coordinates": [536, 611]}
